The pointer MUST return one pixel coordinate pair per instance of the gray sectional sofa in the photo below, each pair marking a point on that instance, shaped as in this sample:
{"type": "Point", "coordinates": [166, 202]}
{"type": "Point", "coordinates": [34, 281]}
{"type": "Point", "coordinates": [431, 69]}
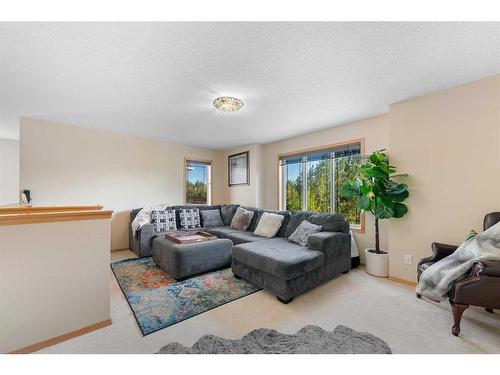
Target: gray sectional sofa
{"type": "Point", "coordinates": [284, 268]}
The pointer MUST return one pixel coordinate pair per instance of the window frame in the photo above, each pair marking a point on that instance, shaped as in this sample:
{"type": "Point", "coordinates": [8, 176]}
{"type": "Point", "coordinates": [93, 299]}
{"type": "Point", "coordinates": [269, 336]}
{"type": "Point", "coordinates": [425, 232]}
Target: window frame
{"type": "Point", "coordinates": [360, 228]}
{"type": "Point", "coordinates": [210, 180]}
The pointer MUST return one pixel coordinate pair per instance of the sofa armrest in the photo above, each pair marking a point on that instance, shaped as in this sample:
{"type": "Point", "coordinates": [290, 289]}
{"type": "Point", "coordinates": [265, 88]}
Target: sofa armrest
{"type": "Point", "coordinates": [329, 242]}
{"type": "Point", "coordinates": [439, 251]}
{"type": "Point", "coordinates": [144, 238]}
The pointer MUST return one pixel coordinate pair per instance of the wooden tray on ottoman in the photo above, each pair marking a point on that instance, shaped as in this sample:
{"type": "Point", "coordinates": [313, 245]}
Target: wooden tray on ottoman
{"type": "Point", "coordinates": [182, 237]}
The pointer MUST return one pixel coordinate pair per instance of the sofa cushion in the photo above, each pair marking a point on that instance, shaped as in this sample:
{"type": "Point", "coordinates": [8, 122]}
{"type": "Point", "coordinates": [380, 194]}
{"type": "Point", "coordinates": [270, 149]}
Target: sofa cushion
{"type": "Point", "coordinates": [222, 232]}
{"type": "Point", "coordinates": [189, 218]}
{"type": "Point", "coordinates": [163, 220]}
{"type": "Point", "coordinates": [268, 225]}
{"type": "Point", "coordinates": [284, 224]}
{"type": "Point", "coordinates": [255, 217]}
{"type": "Point", "coordinates": [303, 231]}
{"type": "Point", "coordinates": [244, 237]}
{"type": "Point", "coordinates": [278, 257]}
{"type": "Point", "coordinates": [211, 218]}
{"type": "Point", "coordinates": [242, 219]}
{"type": "Point", "coordinates": [227, 212]}
{"type": "Point", "coordinates": [295, 219]}
{"type": "Point", "coordinates": [329, 222]}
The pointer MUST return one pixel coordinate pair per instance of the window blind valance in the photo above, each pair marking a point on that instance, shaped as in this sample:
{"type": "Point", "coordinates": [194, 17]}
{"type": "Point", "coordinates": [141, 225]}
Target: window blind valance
{"type": "Point", "coordinates": [196, 163]}
{"type": "Point", "coordinates": [353, 149]}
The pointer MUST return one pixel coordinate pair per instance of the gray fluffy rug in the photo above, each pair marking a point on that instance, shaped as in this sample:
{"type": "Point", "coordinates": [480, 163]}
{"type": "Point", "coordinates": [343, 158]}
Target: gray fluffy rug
{"type": "Point", "coordinates": [309, 340]}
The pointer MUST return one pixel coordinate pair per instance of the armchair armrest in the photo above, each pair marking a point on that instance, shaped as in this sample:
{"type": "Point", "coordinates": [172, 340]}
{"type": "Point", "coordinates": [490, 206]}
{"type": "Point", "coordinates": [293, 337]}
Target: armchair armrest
{"type": "Point", "coordinates": [439, 251]}
{"type": "Point", "coordinates": [487, 268]}
{"type": "Point", "coordinates": [329, 242]}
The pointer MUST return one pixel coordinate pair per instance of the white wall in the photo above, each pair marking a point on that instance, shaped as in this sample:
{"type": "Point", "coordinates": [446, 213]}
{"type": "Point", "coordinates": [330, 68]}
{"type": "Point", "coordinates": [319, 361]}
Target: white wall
{"type": "Point", "coordinates": [64, 164]}
{"type": "Point", "coordinates": [253, 194]}
{"type": "Point", "coordinates": [9, 171]}
{"type": "Point", "coordinates": [54, 280]}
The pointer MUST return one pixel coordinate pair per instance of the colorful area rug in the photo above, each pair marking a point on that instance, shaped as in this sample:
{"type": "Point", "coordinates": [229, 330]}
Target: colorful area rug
{"type": "Point", "coordinates": [158, 301]}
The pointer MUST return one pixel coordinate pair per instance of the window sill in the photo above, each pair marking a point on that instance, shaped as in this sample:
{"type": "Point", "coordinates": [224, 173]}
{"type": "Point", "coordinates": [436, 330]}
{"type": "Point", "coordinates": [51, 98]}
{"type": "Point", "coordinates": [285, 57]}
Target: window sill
{"type": "Point", "coordinates": [358, 229]}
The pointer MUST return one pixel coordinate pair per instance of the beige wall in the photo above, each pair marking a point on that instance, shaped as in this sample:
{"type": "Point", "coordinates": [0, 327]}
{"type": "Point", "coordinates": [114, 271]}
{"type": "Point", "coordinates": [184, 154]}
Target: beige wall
{"type": "Point", "coordinates": [253, 194]}
{"type": "Point", "coordinates": [449, 142]}
{"type": "Point", "coordinates": [65, 164]}
{"type": "Point", "coordinates": [9, 171]}
{"type": "Point", "coordinates": [54, 280]}
{"type": "Point", "coordinates": [375, 132]}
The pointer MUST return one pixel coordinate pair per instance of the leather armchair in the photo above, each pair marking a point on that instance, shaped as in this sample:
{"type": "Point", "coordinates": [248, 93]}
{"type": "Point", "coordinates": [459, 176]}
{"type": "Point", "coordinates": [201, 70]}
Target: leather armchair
{"type": "Point", "coordinates": [481, 287]}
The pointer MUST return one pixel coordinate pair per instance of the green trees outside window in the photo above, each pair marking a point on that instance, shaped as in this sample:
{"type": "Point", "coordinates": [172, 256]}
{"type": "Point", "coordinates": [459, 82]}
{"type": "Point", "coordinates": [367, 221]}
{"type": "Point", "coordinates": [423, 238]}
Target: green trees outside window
{"type": "Point", "coordinates": [197, 182]}
{"type": "Point", "coordinates": [196, 192]}
{"type": "Point", "coordinates": [324, 179]}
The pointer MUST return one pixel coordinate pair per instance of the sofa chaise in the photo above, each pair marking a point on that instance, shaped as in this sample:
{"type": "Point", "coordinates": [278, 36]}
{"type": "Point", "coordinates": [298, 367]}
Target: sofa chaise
{"type": "Point", "coordinates": [277, 265]}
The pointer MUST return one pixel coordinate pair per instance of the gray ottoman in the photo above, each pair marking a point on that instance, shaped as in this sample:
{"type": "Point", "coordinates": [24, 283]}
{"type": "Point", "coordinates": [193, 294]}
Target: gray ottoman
{"type": "Point", "coordinates": [182, 261]}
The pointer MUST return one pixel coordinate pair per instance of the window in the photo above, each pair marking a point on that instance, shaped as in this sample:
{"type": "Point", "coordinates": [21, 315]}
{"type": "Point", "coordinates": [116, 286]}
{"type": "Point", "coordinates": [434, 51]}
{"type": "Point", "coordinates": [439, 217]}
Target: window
{"type": "Point", "coordinates": [198, 188]}
{"type": "Point", "coordinates": [313, 180]}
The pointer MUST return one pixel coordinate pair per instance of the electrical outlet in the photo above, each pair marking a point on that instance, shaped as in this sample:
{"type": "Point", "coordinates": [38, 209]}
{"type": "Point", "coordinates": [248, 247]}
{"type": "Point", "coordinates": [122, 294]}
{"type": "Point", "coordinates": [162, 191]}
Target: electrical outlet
{"type": "Point", "coordinates": [408, 259]}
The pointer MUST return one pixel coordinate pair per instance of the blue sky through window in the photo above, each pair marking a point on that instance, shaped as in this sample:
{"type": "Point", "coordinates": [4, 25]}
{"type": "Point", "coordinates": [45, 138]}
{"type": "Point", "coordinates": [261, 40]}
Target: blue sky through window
{"type": "Point", "coordinates": [293, 171]}
{"type": "Point", "coordinates": [197, 173]}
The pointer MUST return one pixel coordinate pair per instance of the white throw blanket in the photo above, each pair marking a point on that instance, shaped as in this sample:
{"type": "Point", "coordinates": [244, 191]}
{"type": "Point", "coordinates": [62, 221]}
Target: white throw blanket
{"type": "Point", "coordinates": [435, 282]}
{"type": "Point", "coordinates": [144, 216]}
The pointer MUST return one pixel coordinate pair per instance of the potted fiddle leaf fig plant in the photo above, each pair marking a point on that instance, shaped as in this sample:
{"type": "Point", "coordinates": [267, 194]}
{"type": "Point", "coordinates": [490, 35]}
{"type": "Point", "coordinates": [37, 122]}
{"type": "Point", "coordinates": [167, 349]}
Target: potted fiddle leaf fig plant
{"type": "Point", "coordinates": [377, 191]}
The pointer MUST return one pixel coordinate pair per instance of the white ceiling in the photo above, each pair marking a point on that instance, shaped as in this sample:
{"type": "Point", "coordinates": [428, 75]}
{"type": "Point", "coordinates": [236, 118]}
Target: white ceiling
{"type": "Point", "coordinates": [159, 79]}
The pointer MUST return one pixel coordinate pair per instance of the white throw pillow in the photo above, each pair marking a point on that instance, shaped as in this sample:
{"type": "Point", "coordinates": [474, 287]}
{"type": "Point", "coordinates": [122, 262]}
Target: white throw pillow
{"type": "Point", "coordinates": [269, 225]}
{"type": "Point", "coordinates": [303, 231]}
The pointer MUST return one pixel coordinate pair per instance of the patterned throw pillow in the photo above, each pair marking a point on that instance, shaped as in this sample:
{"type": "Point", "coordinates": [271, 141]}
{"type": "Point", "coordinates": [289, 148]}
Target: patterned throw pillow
{"type": "Point", "coordinates": [163, 220]}
{"type": "Point", "coordinates": [303, 231]}
{"type": "Point", "coordinates": [190, 218]}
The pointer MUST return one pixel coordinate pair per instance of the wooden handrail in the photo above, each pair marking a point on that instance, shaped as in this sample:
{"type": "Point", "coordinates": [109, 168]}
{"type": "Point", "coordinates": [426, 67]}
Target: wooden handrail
{"type": "Point", "coordinates": [50, 217]}
{"type": "Point", "coordinates": [29, 209]}
{"type": "Point", "coordinates": [17, 215]}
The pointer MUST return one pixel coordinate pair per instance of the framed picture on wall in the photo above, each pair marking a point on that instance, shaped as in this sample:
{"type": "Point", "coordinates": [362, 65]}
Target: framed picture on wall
{"type": "Point", "coordinates": [238, 167]}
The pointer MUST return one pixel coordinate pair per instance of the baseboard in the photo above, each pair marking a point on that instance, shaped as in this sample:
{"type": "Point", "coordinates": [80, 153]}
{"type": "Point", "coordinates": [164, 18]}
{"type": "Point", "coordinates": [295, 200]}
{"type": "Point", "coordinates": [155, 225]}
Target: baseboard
{"type": "Point", "coordinates": [58, 339]}
{"type": "Point", "coordinates": [401, 281]}
{"type": "Point", "coordinates": [115, 250]}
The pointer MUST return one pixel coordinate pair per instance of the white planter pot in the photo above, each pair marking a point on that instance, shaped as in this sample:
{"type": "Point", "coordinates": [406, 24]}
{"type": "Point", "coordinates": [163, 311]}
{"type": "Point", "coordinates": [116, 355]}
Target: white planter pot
{"type": "Point", "coordinates": [377, 264]}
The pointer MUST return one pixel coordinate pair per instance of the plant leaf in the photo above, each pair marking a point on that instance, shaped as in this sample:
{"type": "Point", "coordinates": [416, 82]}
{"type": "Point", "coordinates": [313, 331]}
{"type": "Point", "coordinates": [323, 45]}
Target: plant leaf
{"type": "Point", "coordinates": [364, 202]}
{"type": "Point", "coordinates": [400, 197]}
{"type": "Point", "coordinates": [398, 189]}
{"type": "Point", "coordinates": [399, 175]}
{"type": "Point", "coordinates": [383, 212]}
{"type": "Point", "coordinates": [350, 190]}
{"type": "Point", "coordinates": [400, 210]}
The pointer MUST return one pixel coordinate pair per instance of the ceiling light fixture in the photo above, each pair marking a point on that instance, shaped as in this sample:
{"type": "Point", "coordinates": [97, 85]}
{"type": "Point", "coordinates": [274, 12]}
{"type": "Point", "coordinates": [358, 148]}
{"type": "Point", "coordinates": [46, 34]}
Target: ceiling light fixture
{"type": "Point", "coordinates": [228, 104]}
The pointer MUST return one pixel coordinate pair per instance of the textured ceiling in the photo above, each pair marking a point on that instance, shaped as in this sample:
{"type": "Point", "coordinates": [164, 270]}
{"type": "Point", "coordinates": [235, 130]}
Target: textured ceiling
{"type": "Point", "coordinates": [159, 79]}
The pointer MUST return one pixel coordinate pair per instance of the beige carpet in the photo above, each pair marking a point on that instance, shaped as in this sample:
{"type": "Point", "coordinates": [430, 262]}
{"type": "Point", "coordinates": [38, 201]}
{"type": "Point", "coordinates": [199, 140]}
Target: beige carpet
{"type": "Point", "coordinates": [365, 303]}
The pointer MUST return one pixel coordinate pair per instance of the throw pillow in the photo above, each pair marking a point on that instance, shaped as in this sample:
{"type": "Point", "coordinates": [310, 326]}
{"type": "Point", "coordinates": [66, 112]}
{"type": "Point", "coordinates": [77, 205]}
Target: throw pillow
{"type": "Point", "coordinates": [303, 231]}
{"type": "Point", "coordinates": [189, 218]}
{"type": "Point", "coordinates": [241, 219]}
{"type": "Point", "coordinates": [211, 218]}
{"type": "Point", "coordinates": [163, 220]}
{"type": "Point", "coordinates": [269, 224]}
{"type": "Point", "coordinates": [227, 212]}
